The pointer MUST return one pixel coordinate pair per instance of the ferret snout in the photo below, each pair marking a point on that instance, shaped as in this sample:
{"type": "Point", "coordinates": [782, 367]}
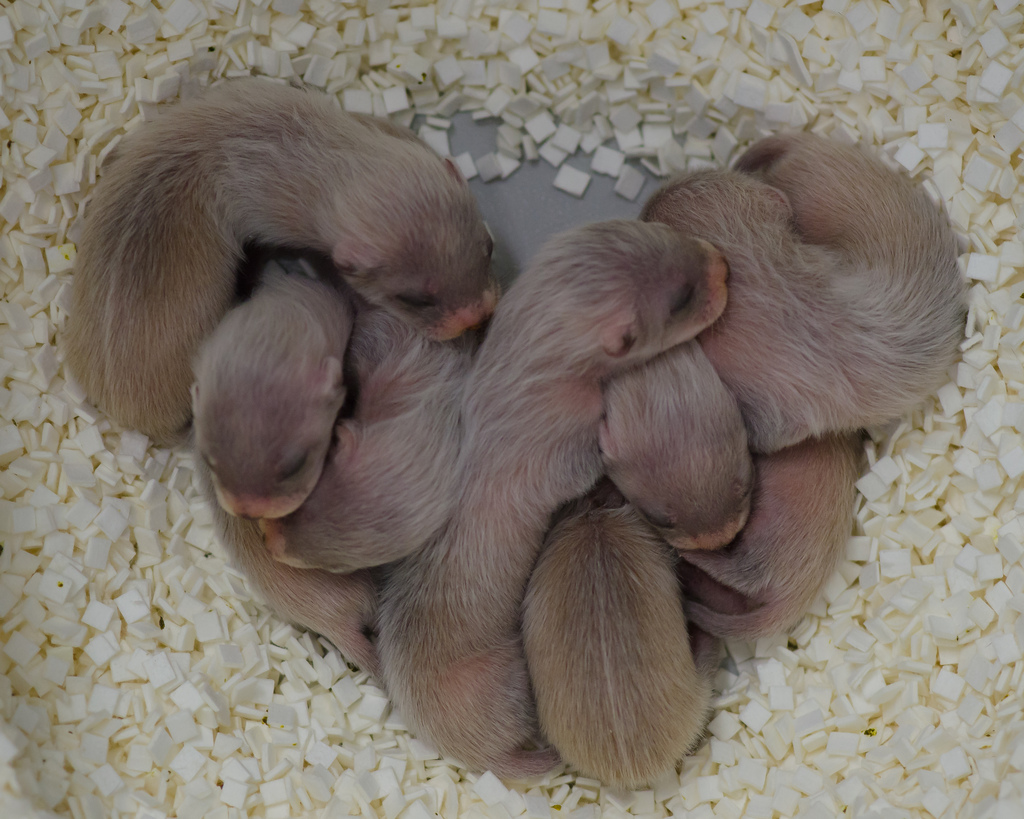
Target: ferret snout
{"type": "Point", "coordinates": [255, 506]}
{"type": "Point", "coordinates": [707, 541]}
{"type": "Point", "coordinates": [466, 318]}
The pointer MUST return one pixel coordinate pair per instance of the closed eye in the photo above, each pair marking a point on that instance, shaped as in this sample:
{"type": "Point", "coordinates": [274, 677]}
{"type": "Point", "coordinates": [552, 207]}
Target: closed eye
{"type": "Point", "coordinates": [416, 301]}
{"type": "Point", "coordinates": [657, 521]}
{"type": "Point", "coordinates": [682, 300]}
{"type": "Point", "coordinates": [293, 467]}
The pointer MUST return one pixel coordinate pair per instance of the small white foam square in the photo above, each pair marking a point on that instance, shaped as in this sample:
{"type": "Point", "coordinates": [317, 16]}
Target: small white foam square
{"type": "Point", "coordinates": [629, 183]}
{"type": "Point", "coordinates": [571, 180]}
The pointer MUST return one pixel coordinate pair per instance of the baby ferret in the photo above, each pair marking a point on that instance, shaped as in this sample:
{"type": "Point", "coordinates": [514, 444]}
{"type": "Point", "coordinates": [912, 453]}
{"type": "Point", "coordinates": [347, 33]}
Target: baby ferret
{"type": "Point", "coordinates": [268, 389]}
{"type": "Point", "coordinates": [618, 692]}
{"type": "Point", "coordinates": [254, 160]}
{"type": "Point", "coordinates": [390, 481]}
{"type": "Point", "coordinates": [341, 607]}
{"type": "Point", "coordinates": [674, 443]}
{"type": "Point", "coordinates": [800, 521]}
{"type": "Point", "coordinates": [595, 300]}
{"type": "Point", "coordinates": [846, 303]}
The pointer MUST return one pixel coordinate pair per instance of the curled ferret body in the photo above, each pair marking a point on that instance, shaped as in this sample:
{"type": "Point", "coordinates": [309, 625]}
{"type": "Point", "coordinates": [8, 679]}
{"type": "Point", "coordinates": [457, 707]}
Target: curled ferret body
{"type": "Point", "coordinates": [595, 300]}
{"type": "Point", "coordinates": [181, 196]}
{"type": "Point", "coordinates": [800, 521]}
{"type": "Point", "coordinates": [390, 480]}
{"type": "Point", "coordinates": [618, 692]}
{"type": "Point", "coordinates": [268, 389]}
{"type": "Point", "coordinates": [846, 302]}
{"type": "Point", "coordinates": [341, 607]}
{"type": "Point", "coordinates": [674, 443]}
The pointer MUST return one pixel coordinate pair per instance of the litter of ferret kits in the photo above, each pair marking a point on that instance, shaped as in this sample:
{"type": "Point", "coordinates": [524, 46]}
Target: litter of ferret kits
{"type": "Point", "coordinates": [140, 679]}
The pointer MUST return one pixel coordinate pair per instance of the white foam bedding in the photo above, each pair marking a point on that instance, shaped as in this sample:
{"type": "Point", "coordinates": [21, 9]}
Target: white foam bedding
{"type": "Point", "coordinates": [137, 676]}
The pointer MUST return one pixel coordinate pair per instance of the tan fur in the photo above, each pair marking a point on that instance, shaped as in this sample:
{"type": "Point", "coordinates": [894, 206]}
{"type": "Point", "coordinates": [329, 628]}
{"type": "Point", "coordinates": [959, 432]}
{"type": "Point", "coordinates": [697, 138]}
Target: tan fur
{"type": "Point", "coordinates": [618, 693]}
{"type": "Point", "coordinates": [674, 443]}
{"type": "Point", "coordinates": [800, 521]}
{"type": "Point", "coordinates": [390, 482]}
{"type": "Point", "coordinates": [595, 300]}
{"type": "Point", "coordinates": [846, 303]}
{"type": "Point", "coordinates": [255, 160]}
{"type": "Point", "coordinates": [341, 607]}
{"type": "Point", "coordinates": [268, 390]}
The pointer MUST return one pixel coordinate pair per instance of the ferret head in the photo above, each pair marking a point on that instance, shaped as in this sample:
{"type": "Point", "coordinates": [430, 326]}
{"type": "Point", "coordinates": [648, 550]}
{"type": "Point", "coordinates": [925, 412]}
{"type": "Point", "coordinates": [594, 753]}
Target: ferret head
{"type": "Point", "coordinates": [384, 490]}
{"type": "Point", "coordinates": [327, 531]}
{"type": "Point", "coordinates": [264, 429]}
{"type": "Point", "coordinates": [704, 511]}
{"type": "Point", "coordinates": [605, 296]}
{"type": "Point", "coordinates": [678, 452]}
{"type": "Point", "coordinates": [423, 254]}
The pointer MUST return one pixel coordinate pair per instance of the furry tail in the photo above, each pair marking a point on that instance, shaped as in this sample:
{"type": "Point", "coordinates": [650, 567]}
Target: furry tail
{"type": "Point", "coordinates": [355, 646]}
{"type": "Point", "coordinates": [767, 620]}
{"type": "Point", "coordinates": [147, 291]}
{"type": "Point", "coordinates": [340, 607]}
{"type": "Point", "coordinates": [525, 764]}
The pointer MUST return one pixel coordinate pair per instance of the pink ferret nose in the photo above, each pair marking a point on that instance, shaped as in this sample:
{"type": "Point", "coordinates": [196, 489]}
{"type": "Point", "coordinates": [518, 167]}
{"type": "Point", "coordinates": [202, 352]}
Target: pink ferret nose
{"type": "Point", "coordinates": [466, 318]}
{"type": "Point", "coordinates": [254, 507]}
{"type": "Point", "coordinates": [710, 540]}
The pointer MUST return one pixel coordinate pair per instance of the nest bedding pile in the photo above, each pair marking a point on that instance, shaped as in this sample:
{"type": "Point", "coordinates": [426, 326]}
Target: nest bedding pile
{"type": "Point", "coordinates": [138, 678]}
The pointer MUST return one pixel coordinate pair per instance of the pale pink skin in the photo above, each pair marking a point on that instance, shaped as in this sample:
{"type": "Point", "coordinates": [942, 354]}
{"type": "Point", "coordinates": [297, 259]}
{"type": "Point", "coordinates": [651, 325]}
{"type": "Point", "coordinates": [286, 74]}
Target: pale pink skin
{"type": "Point", "coordinates": [157, 260]}
{"type": "Point", "coordinates": [595, 301]}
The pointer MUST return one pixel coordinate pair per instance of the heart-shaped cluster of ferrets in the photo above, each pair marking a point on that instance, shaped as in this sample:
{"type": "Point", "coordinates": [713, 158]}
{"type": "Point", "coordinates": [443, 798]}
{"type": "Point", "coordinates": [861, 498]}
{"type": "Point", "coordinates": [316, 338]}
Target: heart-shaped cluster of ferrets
{"type": "Point", "coordinates": [697, 379]}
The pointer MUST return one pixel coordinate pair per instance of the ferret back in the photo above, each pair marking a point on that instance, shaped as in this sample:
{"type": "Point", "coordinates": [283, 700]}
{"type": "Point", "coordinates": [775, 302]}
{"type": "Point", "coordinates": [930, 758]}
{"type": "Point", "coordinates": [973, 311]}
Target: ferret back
{"type": "Point", "coordinates": [607, 646]}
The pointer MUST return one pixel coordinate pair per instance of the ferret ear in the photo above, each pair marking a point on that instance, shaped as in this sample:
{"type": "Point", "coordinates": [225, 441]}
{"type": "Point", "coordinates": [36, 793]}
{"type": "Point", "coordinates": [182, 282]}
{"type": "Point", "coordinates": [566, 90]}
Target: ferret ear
{"type": "Point", "coordinates": [760, 156]}
{"type": "Point", "coordinates": [619, 335]}
{"type": "Point", "coordinates": [453, 169]}
{"type": "Point", "coordinates": [605, 439]}
{"type": "Point", "coordinates": [195, 394]}
{"type": "Point", "coordinates": [782, 199]}
{"type": "Point", "coordinates": [346, 441]}
{"type": "Point", "coordinates": [331, 378]}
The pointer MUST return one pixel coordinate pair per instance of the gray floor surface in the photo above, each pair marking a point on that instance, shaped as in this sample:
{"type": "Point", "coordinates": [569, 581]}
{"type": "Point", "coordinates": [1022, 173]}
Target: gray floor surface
{"type": "Point", "coordinates": [525, 209]}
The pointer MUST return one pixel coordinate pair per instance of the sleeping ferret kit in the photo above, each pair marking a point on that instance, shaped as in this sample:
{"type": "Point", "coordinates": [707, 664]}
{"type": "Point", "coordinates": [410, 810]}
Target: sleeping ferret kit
{"type": "Point", "coordinates": [142, 673]}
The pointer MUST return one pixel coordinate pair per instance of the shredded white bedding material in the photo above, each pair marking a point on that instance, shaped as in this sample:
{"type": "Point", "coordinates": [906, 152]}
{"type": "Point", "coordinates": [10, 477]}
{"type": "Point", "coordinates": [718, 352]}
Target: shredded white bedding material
{"type": "Point", "coordinates": [137, 676]}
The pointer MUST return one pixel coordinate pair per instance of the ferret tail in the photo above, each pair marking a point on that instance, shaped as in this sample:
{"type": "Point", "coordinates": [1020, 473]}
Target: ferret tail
{"type": "Point", "coordinates": [762, 153]}
{"type": "Point", "coordinates": [706, 649]}
{"type": "Point", "coordinates": [149, 286]}
{"type": "Point", "coordinates": [357, 648]}
{"type": "Point", "coordinates": [521, 764]}
{"type": "Point", "coordinates": [771, 618]}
